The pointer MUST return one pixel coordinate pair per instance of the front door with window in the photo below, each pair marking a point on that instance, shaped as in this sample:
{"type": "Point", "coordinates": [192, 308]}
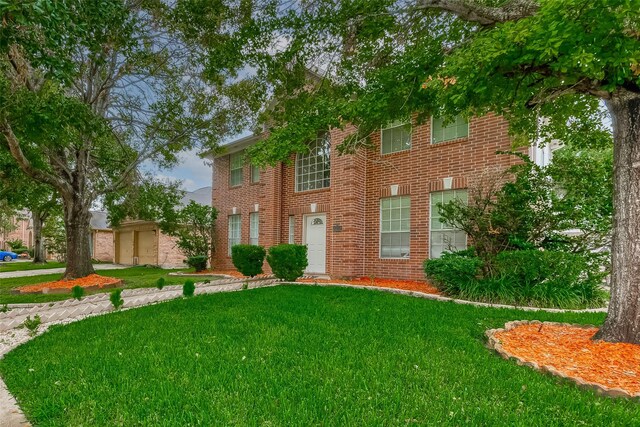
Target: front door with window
{"type": "Point", "coordinates": [315, 237]}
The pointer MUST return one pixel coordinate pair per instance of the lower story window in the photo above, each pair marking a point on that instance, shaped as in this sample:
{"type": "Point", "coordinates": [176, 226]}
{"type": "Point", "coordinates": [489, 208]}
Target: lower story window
{"type": "Point", "coordinates": [234, 231]}
{"type": "Point", "coordinates": [444, 237]}
{"type": "Point", "coordinates": [292, 224]}
{"type": "Point", "coordinates": [394, 227]}
{"type": "Point", "coordinates": [254, 224]}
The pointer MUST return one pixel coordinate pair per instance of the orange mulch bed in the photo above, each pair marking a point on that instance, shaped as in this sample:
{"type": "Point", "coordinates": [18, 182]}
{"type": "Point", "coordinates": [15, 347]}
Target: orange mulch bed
{"type": "Point", "coordinates": [407, 285]}
{"type": "Point", "coordinates": [571, 350]}
{"type": "Point", "coordinates": [92, 280]}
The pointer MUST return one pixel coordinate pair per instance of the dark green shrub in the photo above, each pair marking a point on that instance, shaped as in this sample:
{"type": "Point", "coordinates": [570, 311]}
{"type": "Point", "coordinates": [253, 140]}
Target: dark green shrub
{"type": "Point", "coordinates": [77, 292]}
{"type": "Point", "coordinates": [452, 271]}
{"type": "Point", "coordinates": [116, 299]}
{"type": "Point", "coordinates": [160, 282]}
{"type": "Point", "coordinates": [288, 261]}
{"type": "Point", "coordinates": [198, 262]}
{"type": "Point", "coordinates": [188, 288]}
{"type": "Point", "coordinates": [248, 259]}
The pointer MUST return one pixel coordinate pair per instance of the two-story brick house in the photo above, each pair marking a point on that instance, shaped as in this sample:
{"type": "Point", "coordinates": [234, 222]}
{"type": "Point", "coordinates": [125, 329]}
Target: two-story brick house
{"type": "Point", "coordinates": [366, 214]}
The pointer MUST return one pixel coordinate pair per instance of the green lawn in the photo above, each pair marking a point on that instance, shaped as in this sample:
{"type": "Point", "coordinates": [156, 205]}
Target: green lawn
{"type": "Point", "coordinates": [134, 277]}
{"type": "Point", "coordinates": [295, 355]}
{"type": "Point", "coordinates": [21, 266]}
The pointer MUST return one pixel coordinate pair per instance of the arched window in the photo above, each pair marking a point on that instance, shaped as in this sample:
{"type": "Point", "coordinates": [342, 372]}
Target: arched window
{"type": "Point", "coordinates": [313, 167]}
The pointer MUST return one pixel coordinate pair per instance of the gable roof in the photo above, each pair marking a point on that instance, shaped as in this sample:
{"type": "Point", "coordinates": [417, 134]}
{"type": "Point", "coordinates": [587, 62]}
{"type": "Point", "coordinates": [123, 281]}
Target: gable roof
{"type": "Point", "coordinates": [201, 196]}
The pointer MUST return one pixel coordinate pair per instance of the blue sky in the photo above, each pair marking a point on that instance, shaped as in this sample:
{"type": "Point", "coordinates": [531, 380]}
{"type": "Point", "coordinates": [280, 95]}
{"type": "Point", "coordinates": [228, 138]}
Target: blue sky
{"type": "Point", "coordinates": [193, 171]}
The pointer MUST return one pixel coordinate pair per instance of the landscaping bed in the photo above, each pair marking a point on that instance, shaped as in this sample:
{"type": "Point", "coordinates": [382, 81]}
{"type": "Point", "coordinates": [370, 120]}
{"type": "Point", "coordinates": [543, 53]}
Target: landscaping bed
{"type": "Point", "coordinates": [569, 351]}
{"type": "Point", "coordinates": [92, 282]}
{"type": "Point", "coordinates": [407, 285]}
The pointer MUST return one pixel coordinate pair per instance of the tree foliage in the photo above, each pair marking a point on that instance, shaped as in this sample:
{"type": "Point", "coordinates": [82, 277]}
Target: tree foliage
{"type": "Point", "coordinates": [193, 226]}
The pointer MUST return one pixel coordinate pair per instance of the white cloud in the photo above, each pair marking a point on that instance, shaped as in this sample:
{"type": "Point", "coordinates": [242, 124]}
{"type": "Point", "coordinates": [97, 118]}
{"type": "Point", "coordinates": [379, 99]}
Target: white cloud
{"type": "Point", "coordinates": [191, 170]}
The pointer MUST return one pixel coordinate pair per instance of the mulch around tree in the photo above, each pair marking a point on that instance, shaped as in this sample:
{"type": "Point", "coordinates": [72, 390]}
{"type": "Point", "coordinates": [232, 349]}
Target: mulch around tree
{"type": "Point", "coordinates": [90, 282]}
{"type": "Point", "coordinates": [571, 351]}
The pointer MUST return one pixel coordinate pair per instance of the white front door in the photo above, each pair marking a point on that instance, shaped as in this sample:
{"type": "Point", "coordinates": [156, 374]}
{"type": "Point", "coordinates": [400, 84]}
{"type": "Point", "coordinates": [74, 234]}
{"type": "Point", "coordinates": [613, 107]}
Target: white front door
{"type": "Point", "coordinates": [315, 237]}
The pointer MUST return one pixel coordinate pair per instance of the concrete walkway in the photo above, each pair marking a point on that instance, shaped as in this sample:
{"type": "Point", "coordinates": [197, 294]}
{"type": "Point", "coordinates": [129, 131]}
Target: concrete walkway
{"type": "Point", "coordinates": [28, 273]}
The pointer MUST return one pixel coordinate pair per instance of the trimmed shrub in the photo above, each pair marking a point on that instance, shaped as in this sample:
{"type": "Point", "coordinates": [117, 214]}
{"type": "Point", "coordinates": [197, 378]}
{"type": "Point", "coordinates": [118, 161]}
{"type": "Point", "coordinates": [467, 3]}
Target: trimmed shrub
{"type": "Point", "coordinates": [198, 262]}
{"type": "Point", "coordinates": [188, 288]}
{"type": "Point", "coordinates": [288, 261]}
{"type": "Point", "coordinates": [160, 282]}
{"type": "Point", "coordinates": [452, 271]}
{"type": "Point", "coordinates": [248, 259]}
{"type": "Point", "coordinates": [77, 292]}
{"type": "Point", "coordinates": [116, 299]}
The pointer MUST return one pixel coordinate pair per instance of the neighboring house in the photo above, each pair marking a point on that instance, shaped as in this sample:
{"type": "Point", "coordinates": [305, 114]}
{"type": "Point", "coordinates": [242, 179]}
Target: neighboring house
{"type": "Point", "coordinates": [372, 213]}
{"type": "Point", "coordinates": [23, 231]}
{"type": "Point", "coordinates": [101, 237]}
{"type": "Point", "coordinates": [142, 242]}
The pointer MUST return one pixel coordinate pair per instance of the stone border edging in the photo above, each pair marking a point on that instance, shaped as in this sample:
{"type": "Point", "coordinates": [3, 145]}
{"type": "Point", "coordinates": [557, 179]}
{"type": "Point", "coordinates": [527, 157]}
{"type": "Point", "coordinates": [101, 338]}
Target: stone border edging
{"type": "Point", "coordinates": [494, 343]}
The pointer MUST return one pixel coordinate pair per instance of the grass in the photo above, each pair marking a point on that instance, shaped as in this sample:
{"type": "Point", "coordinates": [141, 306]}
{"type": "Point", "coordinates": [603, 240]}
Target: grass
{"type": "Point", "coordinates": [134, 277]}
{"type": "Point", "coordinates": [294, 355]}
{"type": "Point", "coordinates": [22, 266]}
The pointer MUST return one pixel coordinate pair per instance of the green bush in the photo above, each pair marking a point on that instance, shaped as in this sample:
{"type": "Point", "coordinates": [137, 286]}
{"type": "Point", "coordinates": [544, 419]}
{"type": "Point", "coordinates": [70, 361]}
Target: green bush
{"type": "Point", "coordinates": [198, 262]}
{"type": "Point", "coordinates": [77, 292]}
{"type": "Point", "coordinates": [452, 271]}
{"type": "Point", "coordinates": [288, 261]}
{"type": "Point", "coordinates": [160, 282]}
{"type": "Point", "coordinates": [248, 259]}
{"type": "Point", "coordinates": [525, 277]}
{"type": "Point", "coordinates": [32, 325]}
{"type": "Point", "coordinates": [188, 288]}
{"type": "Point", "coordinates": [116, 299]}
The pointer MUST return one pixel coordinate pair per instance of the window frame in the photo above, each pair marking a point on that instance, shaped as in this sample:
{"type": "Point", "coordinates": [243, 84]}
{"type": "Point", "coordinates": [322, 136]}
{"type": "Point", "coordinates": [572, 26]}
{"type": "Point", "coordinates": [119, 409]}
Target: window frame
{"type": "Point", "coordinates": [254, 234]}
{"type": "Point", "coordinates": [301, 158]}
{"type": "Point", "coordinates": [292, 229]}
{"type": "Point", "coordinates": [394, 125]}
{"type": "Point", "coordinates": [237, 239]}
{"type": "Point", "coordinates": [448, 229]}
{"type": "Point", "coordinates": [408, 231]}
{"type": "Point", "coordinates": [238, 154]}
{"type": "Point", "coordinates": [432, 137]}
{"type": "Point", "coordinates": [255, 174]}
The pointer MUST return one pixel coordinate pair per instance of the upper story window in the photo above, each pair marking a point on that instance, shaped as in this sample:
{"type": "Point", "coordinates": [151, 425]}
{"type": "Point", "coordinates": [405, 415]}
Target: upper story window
{"type": "Point", "coordinates": [396, 137]}
{"type": "Point", "coordinates": [255, 174]}
{"type": "Point", "coordinates": [313, 167]}
{"type": "Point", "coordinates": [442, 130]}
{"type": "Point", "coordinates": [236, 161]}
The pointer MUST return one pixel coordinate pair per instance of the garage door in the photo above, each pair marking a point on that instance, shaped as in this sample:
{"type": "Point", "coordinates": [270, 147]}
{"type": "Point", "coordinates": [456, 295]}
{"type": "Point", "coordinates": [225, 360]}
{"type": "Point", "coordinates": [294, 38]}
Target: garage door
{"type": "Point", "coordinates": [125, 248]}
{"type": "Point", "coordinates": [147, 247]}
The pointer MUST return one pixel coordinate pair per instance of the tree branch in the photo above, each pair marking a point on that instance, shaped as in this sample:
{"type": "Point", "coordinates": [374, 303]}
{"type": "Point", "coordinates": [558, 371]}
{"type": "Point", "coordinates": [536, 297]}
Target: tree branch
{"type": "Point", "coordinates": [25, 164]}
{"type": "Point", "coordinates": [473, 11]}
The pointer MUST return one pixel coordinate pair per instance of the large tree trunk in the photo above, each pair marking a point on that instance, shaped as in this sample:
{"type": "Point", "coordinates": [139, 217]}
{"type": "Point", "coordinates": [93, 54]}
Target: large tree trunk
{"type": "Point", "coordinates": [38, 242]}
{"type": "Point", "coordinates": [77, 223]}
{"type": "Point", "coordinates": [623, 319]}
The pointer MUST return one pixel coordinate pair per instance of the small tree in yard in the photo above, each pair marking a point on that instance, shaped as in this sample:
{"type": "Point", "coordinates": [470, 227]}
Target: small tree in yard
{"type": "Point", "coordinates": [248, 259]}
{"type": "Point", "coordinates": [193, 226]}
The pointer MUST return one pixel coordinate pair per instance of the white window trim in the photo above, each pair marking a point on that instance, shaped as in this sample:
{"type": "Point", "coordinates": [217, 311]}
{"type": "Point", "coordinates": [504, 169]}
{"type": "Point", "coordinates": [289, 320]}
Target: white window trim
{"type": "Point", "coordinates": [403, 123]}
{"type": "Point", "coordinates": [380, 229]}
{"type": "Point", "coordinates": [253, 169]}
{"type": "Point", "coordinates": [295, 168]}
{"type": "Point", "coordinates": [253, 237]}
{"type": "Point", "coordinates": [466, 236]}
{"type": "Point", "coordinates": [229, 245]}
{"type": "Point", "coordinates": [448, 140]}
{"type": "Point", "coordinates": [231, 169]}
{"type": "Point", "coordinates": [292, 231]}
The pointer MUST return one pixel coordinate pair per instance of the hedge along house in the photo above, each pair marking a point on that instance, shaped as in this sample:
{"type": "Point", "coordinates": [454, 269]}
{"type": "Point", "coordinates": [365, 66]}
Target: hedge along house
{"type": "Point", "coordinates": [372, 213]}
{"type": "Point", "coordinates": [140, 242]}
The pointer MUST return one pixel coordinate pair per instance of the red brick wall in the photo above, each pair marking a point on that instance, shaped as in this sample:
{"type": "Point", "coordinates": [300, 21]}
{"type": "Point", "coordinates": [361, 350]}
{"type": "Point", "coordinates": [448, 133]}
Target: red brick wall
{"type": "Point", "coordinates": [352, 203]}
